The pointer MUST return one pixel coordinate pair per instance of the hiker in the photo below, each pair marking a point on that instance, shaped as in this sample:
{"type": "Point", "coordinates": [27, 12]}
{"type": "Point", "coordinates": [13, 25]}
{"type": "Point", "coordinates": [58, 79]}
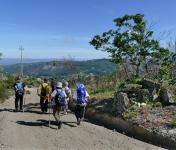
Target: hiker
{"type": "Point", "coordinates": [53, 85]}
{"type": "Point", "coordinates": [19, 88]}
{"type": "Point", "coordinates": [68, 98]}
{"type": "Point", "coordinates": [43, 91]}
{"type": "Point", "coordinates": [58, 99]}
{"type": "Point", "coordinates": [39, 81]}
{"type": "Point", "coordinates": [81, 97]}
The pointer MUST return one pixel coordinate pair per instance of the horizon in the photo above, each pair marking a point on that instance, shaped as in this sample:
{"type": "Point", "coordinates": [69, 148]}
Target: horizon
{"type": "Point", "coordinates": [55, 29]}
{"type": "Point", "coordinates": [14, 61]}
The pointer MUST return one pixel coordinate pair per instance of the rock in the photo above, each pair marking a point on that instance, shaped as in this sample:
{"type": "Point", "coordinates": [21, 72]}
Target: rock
{"type": "Point", "coordinates": [131, 87]}
{"type": "Point", "coordinates": [139, 95]}
{"type": "Point", "coordinates": [121, 103]}
{"type": "Point", "coordinates": [165, 96]}
{"type": "Point", "coordinates": [151, 85]}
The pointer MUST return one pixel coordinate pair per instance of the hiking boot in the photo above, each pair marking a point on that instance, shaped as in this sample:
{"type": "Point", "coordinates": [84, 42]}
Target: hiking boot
{"type": "Point", "coordinates": [78, 122]}
{"type": "Point", "coordinates": [59, 125]}
{"type": "Point", "coordinates": [15, 110]}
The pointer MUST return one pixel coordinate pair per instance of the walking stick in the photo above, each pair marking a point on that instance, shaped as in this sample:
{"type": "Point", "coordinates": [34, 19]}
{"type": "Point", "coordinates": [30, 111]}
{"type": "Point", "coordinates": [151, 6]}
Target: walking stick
{"type": "Point", "coordinates": [49, 111]}
{"type": "Point", "coordinates": [24, 101]}
{"type": "Point", "coordinates": [84, 110]}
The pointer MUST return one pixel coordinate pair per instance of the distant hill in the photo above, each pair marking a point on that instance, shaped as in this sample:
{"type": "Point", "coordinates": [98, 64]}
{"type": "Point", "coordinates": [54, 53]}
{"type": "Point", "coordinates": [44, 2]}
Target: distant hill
{"type": "Point", "coordinates": [11, 61]}
{"type": "Point", "coordinates": [64, 68]}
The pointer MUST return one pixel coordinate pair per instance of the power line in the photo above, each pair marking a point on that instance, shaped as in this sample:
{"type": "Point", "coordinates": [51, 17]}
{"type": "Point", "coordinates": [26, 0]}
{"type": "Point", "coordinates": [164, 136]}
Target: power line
{"type": "Point", "coordinates": [21, 62]}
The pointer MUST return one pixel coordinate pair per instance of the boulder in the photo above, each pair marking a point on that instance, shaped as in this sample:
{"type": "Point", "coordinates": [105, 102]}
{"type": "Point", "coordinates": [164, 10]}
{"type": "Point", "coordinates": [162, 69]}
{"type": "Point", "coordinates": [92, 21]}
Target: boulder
{"type": "Point", "coordinates": [121, 103]}
{"type": "Point", "coordinates": [151, 85]}
{"type": "Point", "coordinates": [131, 87]}
{"type": "Point", "coordinates": [165, 96]}
{"type": "Point", "coordinates": [139, 95]}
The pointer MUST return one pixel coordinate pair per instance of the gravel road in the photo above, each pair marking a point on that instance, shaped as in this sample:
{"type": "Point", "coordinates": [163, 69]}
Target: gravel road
{"type": "Point", "coordinates": [30, 130]}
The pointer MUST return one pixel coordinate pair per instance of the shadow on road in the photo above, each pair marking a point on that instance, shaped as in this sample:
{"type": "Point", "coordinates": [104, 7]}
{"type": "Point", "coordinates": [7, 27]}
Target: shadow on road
{"type": "Point", "coordinates": [28, 108]}
{"type": "Point", "coordinates": [45, 123]}
{"type": "Point", "coordinates": [9, 110]}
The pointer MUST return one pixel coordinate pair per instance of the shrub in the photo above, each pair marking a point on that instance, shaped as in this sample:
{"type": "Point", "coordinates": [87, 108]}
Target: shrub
{"type": "Point", "coordinates": [3, 91]}
{"type": "Point", "coordinates": [173, 123]}
{"type": "Point", "coordinates": [157, 104]}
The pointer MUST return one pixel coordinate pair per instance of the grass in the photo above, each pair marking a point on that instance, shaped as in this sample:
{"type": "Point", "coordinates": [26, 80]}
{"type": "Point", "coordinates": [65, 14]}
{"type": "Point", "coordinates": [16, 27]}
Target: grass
{"type": "Point", "coordinates": [173, 123]}
{"type": "Point", "coordinates": [101, 95]}
{"type": "Point", "coordinates": [154, 104]}
{"type": "Point", "coordinates": [130, 115]}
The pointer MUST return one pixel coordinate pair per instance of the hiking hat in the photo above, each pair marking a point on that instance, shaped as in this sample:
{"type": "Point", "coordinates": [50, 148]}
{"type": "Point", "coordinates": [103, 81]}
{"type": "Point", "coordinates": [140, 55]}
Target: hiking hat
{"type": "Point", "coordinates": [39, 80]}
{"type": "Point", "coordinates": [80, 85]}
{"type": "Point", "coordinates": [65, 83]}
{"type": "Point", "coordinates": [59, 85]}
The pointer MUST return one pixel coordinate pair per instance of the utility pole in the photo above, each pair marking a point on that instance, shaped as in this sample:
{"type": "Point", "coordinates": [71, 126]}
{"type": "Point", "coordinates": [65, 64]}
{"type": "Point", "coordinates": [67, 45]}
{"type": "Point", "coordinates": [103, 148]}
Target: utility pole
{"type": "Point", "coordinates": [21, 62]}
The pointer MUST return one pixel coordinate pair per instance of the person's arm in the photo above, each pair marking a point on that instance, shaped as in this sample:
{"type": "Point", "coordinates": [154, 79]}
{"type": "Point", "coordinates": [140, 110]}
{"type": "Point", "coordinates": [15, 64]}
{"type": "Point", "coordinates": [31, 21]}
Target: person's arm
{"type": "Point", "coordinates": [87, 96]}
{"type": "Point", "coordinates": [70, 95]}
{"type": "Point", "coordinates": [65, 94]}
{"type": "Point", "coordinates": [39, 90]}
{"type": "Point", "coordinates": [14, 86]}
{"type": "Point", "coordinates": [75, 96]}
{"type": "Point", "coordinates": [24, 88]}
{"type": "Point", "coordinates": [53, 94]}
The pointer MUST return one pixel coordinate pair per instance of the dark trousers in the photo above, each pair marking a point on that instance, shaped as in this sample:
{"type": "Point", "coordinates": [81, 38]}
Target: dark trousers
{"type": "Point", "coordinates": [43, 104]}
{"type": "Point", "coordinates": [79, 112]}
{"type": "Point", "coordinates": [56, 113]}
{"type": "Point", "coordinates": [17, 99]}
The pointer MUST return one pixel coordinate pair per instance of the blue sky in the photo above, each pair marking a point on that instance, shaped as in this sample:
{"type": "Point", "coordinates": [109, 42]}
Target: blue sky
{"type": "Point", "coordinates": [63, 28]}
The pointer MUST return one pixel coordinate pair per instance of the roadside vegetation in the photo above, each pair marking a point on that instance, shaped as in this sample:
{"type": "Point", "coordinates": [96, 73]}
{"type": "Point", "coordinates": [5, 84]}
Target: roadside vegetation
{"type": "Point", "coordinates": [6, 86]}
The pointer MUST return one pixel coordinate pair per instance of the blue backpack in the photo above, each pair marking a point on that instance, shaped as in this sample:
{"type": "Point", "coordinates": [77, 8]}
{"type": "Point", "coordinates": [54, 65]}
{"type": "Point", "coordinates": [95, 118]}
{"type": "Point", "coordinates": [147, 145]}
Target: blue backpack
{"type": "Point", "coordinates": [60, 98]}
{"type": "Point", "coordinates": [81, 94]}
{"type": "Point", "coordinates": [19, 88]}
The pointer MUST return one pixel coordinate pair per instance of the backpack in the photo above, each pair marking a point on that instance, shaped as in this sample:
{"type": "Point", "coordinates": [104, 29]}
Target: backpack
{"type": "Point", "coordinates": [60, 98]}
{"type": "Point", "coordinates": [81, 95]}
{"type": "Point", "coordinates": [43, 90]}
{"type": "Point", "coordinates": [19, 88]}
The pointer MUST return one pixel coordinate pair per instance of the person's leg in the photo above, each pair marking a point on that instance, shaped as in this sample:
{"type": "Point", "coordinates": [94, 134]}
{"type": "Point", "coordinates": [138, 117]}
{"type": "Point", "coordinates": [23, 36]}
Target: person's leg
{"type": "Point", "coordinates": [66, 108]}
{"type": "Point", "coordinates": [16, 102]}
{"type": "Point", "coordinates": [46, 106]}
{"type": "Point", "coordinates": [42, 103]}
{"type": "Point", "coordinates": [56, 114]}
{"type": "Point", "coordinates": [82, 112]}
{"type": "Point", "coordinates": [58, 117]}
{"type": "Point", "coordinates": [21, 102]}
{"type": "Point", "coordinates": [78, 114]}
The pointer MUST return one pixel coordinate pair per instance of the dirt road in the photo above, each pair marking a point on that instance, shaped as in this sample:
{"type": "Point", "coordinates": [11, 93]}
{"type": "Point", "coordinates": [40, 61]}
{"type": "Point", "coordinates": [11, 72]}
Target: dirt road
{"type": "Point", "coordinates": [29, 130]}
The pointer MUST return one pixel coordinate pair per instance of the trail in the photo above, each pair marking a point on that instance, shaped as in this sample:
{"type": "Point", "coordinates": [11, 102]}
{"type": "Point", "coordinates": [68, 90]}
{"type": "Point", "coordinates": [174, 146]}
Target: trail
{"type": "Point", "coordinates": [29, 130]}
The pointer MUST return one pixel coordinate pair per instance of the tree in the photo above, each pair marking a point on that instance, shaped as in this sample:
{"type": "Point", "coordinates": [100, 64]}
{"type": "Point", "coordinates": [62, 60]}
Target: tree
{"type": "Point", "coordinates": [131, 41]}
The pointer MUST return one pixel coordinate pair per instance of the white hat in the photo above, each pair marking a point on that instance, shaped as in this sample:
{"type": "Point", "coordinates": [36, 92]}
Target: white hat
{"type": "Point", "coordinates": [65, 83]}
{"type": "Point", "coordinates": [59, 85]}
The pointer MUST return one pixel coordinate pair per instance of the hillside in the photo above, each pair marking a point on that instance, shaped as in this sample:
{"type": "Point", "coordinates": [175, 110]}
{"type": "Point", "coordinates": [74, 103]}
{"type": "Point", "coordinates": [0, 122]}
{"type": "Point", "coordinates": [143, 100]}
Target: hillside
{"type": "Point", "coordinates": [11, 61]}
{"type": "Point", "coordinates": [64, 68]}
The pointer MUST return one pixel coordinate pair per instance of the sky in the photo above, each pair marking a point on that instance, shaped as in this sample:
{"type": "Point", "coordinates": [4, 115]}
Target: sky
{"type": "Point", "coordinates": [63, 28]}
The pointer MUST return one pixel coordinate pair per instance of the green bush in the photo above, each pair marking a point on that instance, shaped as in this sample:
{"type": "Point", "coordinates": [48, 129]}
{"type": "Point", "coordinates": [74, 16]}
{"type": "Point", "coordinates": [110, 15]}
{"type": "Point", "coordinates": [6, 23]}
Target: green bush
{"type": "Point", "coordinates": [29, 81]}
{"type": "Point", "coordinates": [157, 104]}
{"type": "Point", "coordinates": [10, 81]}
{"type": "Point", "coordinates": [4, 92]}
{"type": "Point", "coordinates": [134, 81]}
{"type": "Point", "coordinates": [173, 123]}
